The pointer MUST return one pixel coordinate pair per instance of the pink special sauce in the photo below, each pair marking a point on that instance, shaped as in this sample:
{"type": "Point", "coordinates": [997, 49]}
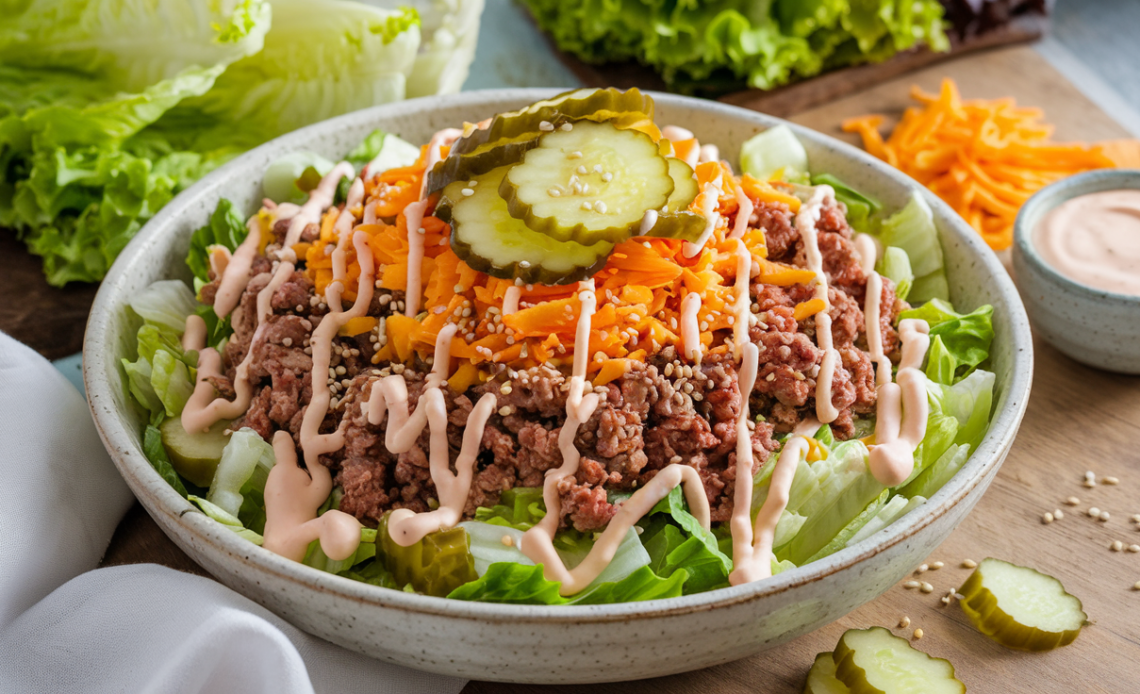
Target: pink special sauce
{"type": "Point", "coordinates": [1094, 239]}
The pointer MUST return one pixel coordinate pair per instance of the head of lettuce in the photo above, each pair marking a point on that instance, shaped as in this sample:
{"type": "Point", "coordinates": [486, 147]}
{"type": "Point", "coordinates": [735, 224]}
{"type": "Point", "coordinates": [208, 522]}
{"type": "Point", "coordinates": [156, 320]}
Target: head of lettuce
{"type": "Point", "coordinates": [109, 108]}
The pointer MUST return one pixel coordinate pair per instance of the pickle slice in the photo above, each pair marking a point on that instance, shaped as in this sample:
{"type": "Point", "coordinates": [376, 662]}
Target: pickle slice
{"type": "Point", "coordinates": [1021, 608]}
{"type": "Point", "coordinates": [685, 186]}
{"type": "Point", "coordinates": [436, 565]}
{"type": "Point", "coordinates": [821, 677]}
{"type": "Point", "coordinates": [588, 184]}
{"type": "Point", "coordinates": [487, 157]}
{"type": "Point", "coordinates": [875, 661]}
{"type": "Point", "coordinates": [624, 108]}
{"type": "Point", "coordinates": [195, 456]}
{"type": "Point", "coordinates": [490, 240]}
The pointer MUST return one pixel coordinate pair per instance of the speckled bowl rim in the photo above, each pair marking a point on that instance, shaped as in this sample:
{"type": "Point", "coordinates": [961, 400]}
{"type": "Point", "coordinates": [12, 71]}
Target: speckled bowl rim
{"type": "Point", "coordinates": [125, 446]}
{"type": "Point", "coordinates": [1057, 193]}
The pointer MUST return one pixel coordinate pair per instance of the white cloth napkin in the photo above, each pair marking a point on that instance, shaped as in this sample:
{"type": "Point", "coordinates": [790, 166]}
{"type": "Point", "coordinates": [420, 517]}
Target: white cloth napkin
{"type": "Point", "coordinates": [66, 626]}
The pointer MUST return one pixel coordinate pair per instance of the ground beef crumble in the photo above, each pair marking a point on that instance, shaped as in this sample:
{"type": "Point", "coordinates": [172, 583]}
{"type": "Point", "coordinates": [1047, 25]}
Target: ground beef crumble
{"type": "Point", "coordinates": [664, 411]}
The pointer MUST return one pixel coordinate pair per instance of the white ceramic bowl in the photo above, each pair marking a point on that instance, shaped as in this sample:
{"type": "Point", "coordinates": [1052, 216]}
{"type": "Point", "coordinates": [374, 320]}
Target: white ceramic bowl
{"type": "Point", "coordinates": [541, 643]}
{"type": "Point", "coordinates": [1093, 326]}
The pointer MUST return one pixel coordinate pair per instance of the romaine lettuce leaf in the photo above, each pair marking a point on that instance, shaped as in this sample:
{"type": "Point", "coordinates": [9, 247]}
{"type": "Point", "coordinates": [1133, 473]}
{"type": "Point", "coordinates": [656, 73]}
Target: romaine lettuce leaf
{"type": "Point", "coordinates": [156, 455]}
{"type": "Point", "coordinates": [225, 228]}
{"type": "Point", "coordinates": [225, 518]}
{"type": "Point", "coordinates": [896, 508]}
{"type": "Point", "coordinates": [965, 338]}
{"type": "Point", "coordinates": [895, 265]}
{"type": "Point", "coordinates": [166, 303]}
{"type": "Point", "coordinates": [968, 402]}
{"type": "Point", "coordinates": [775, 154]}
{"type": "Point", "coordinates": [172, 381]}
{"type": "Point", "coordinates": [245, 465]}
{"type": "Point", "coordinates": [937, 475]}
{"type": "Point", "coordinates": [859, 206]}
{"type": "Point", "coordinates": [279, 183]}
{"type": "Point", "coordinates": [675, 541]}
{"type": "Point", "coordinates": [912, 229]}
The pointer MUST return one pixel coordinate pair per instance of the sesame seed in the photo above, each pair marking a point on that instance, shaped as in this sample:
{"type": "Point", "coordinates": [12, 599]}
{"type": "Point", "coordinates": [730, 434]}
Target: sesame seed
{"type": "Point", "coordinates": [922, 568]}
{"type": "Point", "coordinates": [1136, 585]}
{"type": "Point", "coordinates": [1090, 483]}
{"type": "Point", "coordinates": [587, 205]}
{"type": "Point", "coordinates": [467, 192]}
{"type": "Point", "coordinates": [1093, 512]}
{"type": "Point", "coordinates": [937, 565]}
{"type": "Point", "coordinates": [1073, 501]}
{"type": "Point", "coordinates": [581, 168]}
{"type": "Point", "coordinates": [524, 264]}
{"type": "Point", "coordinates": [1116, 546]}
{"type": "Point", "coordinates": [1110, 480]}
{"type": "Point", "coordinates": [946, 600]}
{"type": "Point", "coordinates": [554, 192]}
{"type": "Point", "coordinates": [288, 342]}
{"type": "Point", "coordinates": [600, 206]}
{"type": "Point", "coordinates": [1136, 518]}
{"type": "Point", "coordinates": [546, 126]}
{"type": "Point", "coordinates": [1047, 518]}
{"type": "Point", "coordinates": [1090, 475]}
{"type": "Point", "coordinates": [508, 541]}
{"type": "Point", "coordinates": [504, 410]}
{"type": "Point", "coordinates": [904, 622]}
{"type": "Point", "coordinates": [675, 460]}
{"type": "Point", "coordinates": [574, 155]}
{"type": "Point", "coordinates": [1057, 514]}
{"type": "Point", "coordinates": [567, 127]}
{"type": "Point", "coordinates": [607, 177]}
{"type": "Point", "coordinates": [911, 585]}
{"type": "Point", "coordinates": [472, 183]}
{"type": "Point", "coordinates": [918, 634]}
{"type": "Point", "coordinates": [421, 230]}
{"type": "Point", "coordinates": [1134, 548]}
{"type": "Point", "coordinates": [926, 587]}
{"type": "Point", "coordinates": [1103, 518]}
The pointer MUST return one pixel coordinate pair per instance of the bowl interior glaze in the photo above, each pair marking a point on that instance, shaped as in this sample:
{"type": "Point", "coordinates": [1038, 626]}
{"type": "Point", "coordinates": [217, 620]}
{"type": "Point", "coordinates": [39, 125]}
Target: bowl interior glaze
{"type": "Point", "coordinates": [465, 639]}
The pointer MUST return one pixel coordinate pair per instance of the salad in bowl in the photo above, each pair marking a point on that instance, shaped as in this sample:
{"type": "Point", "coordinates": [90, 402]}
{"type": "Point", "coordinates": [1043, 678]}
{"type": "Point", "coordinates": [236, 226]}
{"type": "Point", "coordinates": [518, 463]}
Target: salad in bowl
{"type": "Point", "coordinates": [567, 354]}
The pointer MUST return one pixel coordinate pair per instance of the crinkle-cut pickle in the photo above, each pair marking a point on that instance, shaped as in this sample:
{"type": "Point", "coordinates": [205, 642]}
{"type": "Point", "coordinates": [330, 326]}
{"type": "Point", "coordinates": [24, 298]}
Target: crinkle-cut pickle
{"type": "Point", "coordinates": [490, 240]}
{"type": "Point", "coordinates": [436, 565]}
{"type": "Point", "coordinates": [623, 108]}
{"type": "Point", "coordinates": [1021, 608]}
{"type": "Point", "coordinates": [685, 186]}
{"type": "Point", "coordinates": [464, 167]}
{"type": "Point", "coordinates": [195, 455]}
{"type": "Point", "coordinates": [875, 661]}
{"type": "Point", "coordinates": [591, 183]}
{"type": "Point", "coordinates": [821, 677]}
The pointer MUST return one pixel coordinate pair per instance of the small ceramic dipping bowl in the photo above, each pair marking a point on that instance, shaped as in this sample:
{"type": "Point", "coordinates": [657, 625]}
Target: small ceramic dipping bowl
{"type": "Point", "coordinates": [1093, 326]}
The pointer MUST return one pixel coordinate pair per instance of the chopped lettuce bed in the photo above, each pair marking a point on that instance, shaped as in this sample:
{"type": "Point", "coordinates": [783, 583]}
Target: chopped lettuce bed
{"type": "Point", "coordinates": [834, 501]}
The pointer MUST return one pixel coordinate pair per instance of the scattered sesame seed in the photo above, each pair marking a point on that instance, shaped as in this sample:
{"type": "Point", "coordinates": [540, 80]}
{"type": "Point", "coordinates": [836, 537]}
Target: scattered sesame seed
{"type": "Point", "coordinates": [922, 568]}
{"type": "Point", "coordinates": [554, 192]}
{"type": "Point", "coordinates": [937, 565]}
{"type": "Point", "coordinates": [946, 600]}
{"type": "Point", "coordinates": [567, 127]}
{"type": "Point", "coordinates": [1103, 518]}
{"type": "Point", "coordinates": [1090, 475]}
{"type": "Point", "coordinates": [918, 634]}
{"type": "Point", "coordinates": [1136, 518]}
{"type": "Point", "coordinates": [587, 205]}
{"type": "Point", "coordinates": [1093, 512]}
{"type": "Point", "coordinates": [1073, 501]}
{"type": "Point", "coordinates": [472, 183]}
{"type": "Point", "coordinates": [582, 169]}
{"type": "Point", "coordinates": [1047, 518]}
{"type": "Point", "coordinates": [1090, 483]}
{"type": "Point", "coordinates": [600, 206]}
{"type": "Point", "coordinates": [288, 342]}
{"type": "Point", "coordinates": [911, 585]}
{"type": "Point", "coordinates": [969, 564]}
{"type": "Point", "coordinates": [904, 622]}
{"type": "Point", "coordinates": [1134, 548]}
{"type": "Point", "coordinates": [1110, 480]}
{"type": "Point", "coordinates": [504, 410]}
{"type": "Point", "coordinates": [1116, 546]}
{"type": "Point", "coordinates": [574, 155]}
{"type": "Point", "coordinates": [546, 126]}
{"type": "Point", "coordinates": [926, 587]}
{"type": "Point", "coordinates": [607, 177]}
{"type": "Point", "coordinates": [467, 192]}
{"type": "Point", "coordinates": [1057, 514]}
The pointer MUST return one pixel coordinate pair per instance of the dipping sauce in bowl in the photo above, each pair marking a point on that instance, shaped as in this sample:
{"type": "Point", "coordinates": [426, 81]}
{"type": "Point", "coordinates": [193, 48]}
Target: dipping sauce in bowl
{"type": "Point", "coordinates": [1094, 239]}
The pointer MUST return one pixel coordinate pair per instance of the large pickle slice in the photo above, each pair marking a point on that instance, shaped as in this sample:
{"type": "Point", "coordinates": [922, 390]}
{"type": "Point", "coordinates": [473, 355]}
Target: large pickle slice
{"type": "Point", "coordinates": [624, 108]}
{"type": "Point", "coordinates": [875, 661]}
{"type": "Point", "coordinates": [591, 183]}
{"type": "Point", "coordinates": [436, 565]}
{"type": "Point", "coordinates": [490, 240]}
{"type": "Point", "coordinates": [685, 186]}
{"type": "Point", "coordinates": [821, 677]}
{"type": "Point", "coordinates": [195, 455]}
{"type": "Point", "coordinates": [1021, 608]}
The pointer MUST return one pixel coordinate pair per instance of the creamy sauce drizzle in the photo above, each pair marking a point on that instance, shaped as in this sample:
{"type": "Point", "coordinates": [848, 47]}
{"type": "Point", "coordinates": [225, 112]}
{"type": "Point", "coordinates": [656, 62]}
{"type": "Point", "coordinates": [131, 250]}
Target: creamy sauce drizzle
{"type": "Point", "coordinates": [538, 542]}
{"type": "Point", "coordinates": [675, 133]}
{"type": "Point", "coordinates": [235, 277]}
{"type": "Point", "coordinates": [708, 153]}
{"type": "Point", "coordinates": [648, 221]}
{"type": "Point", "coordinates": [390, 397]}
{"type": "Point", "coordinates": [690, 329]}
{"type": "Point", "coordinates": [219, 259]}
{"type": "Point", "coordinates": [1094, 239]}
{"type": "Point", "coordinates": [194, 337]}
{"type": "Point", "coordinates": [292, 498]}
{"type": "Point", "coordinates": [511, 299]}
{"type": "Point", "coordinates": [320, 198]}
{"type": "Point", "coordinates": [743, 214]}
{"type": "Point", "coordinates": [740, 311]}
{"type": "Point", "coordinates": [806, 219]}
{"type": "Point", "coordinates": [414, 214]}
{"type": "Point", "coordinates": [901, 408]}
{"type": "Point", "coordinates": [708, 206]}
{"type": "Point", "coordinates": [203, 409]}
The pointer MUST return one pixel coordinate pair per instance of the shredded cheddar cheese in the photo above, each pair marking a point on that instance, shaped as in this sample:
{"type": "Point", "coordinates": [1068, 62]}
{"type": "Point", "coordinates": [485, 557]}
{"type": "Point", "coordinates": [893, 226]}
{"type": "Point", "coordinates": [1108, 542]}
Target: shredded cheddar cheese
{"type": "Point", "coordinates": [983, 157]}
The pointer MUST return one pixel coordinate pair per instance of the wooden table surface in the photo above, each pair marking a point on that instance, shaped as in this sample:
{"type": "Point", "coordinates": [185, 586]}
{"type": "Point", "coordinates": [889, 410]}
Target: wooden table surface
{"type": "Point", "coordinates": [1078, 419]}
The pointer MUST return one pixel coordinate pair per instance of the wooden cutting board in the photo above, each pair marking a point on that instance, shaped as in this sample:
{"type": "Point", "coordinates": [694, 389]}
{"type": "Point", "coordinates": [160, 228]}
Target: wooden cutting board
{"type": "Point", "coordinates": [1078, 419]}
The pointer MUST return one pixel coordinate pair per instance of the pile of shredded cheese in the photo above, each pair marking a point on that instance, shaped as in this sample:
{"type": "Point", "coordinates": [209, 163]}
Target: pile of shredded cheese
{"type": "Point", "coordinates": [983, 157]}
{"type": "Point", "coordinates": [639, 290]}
